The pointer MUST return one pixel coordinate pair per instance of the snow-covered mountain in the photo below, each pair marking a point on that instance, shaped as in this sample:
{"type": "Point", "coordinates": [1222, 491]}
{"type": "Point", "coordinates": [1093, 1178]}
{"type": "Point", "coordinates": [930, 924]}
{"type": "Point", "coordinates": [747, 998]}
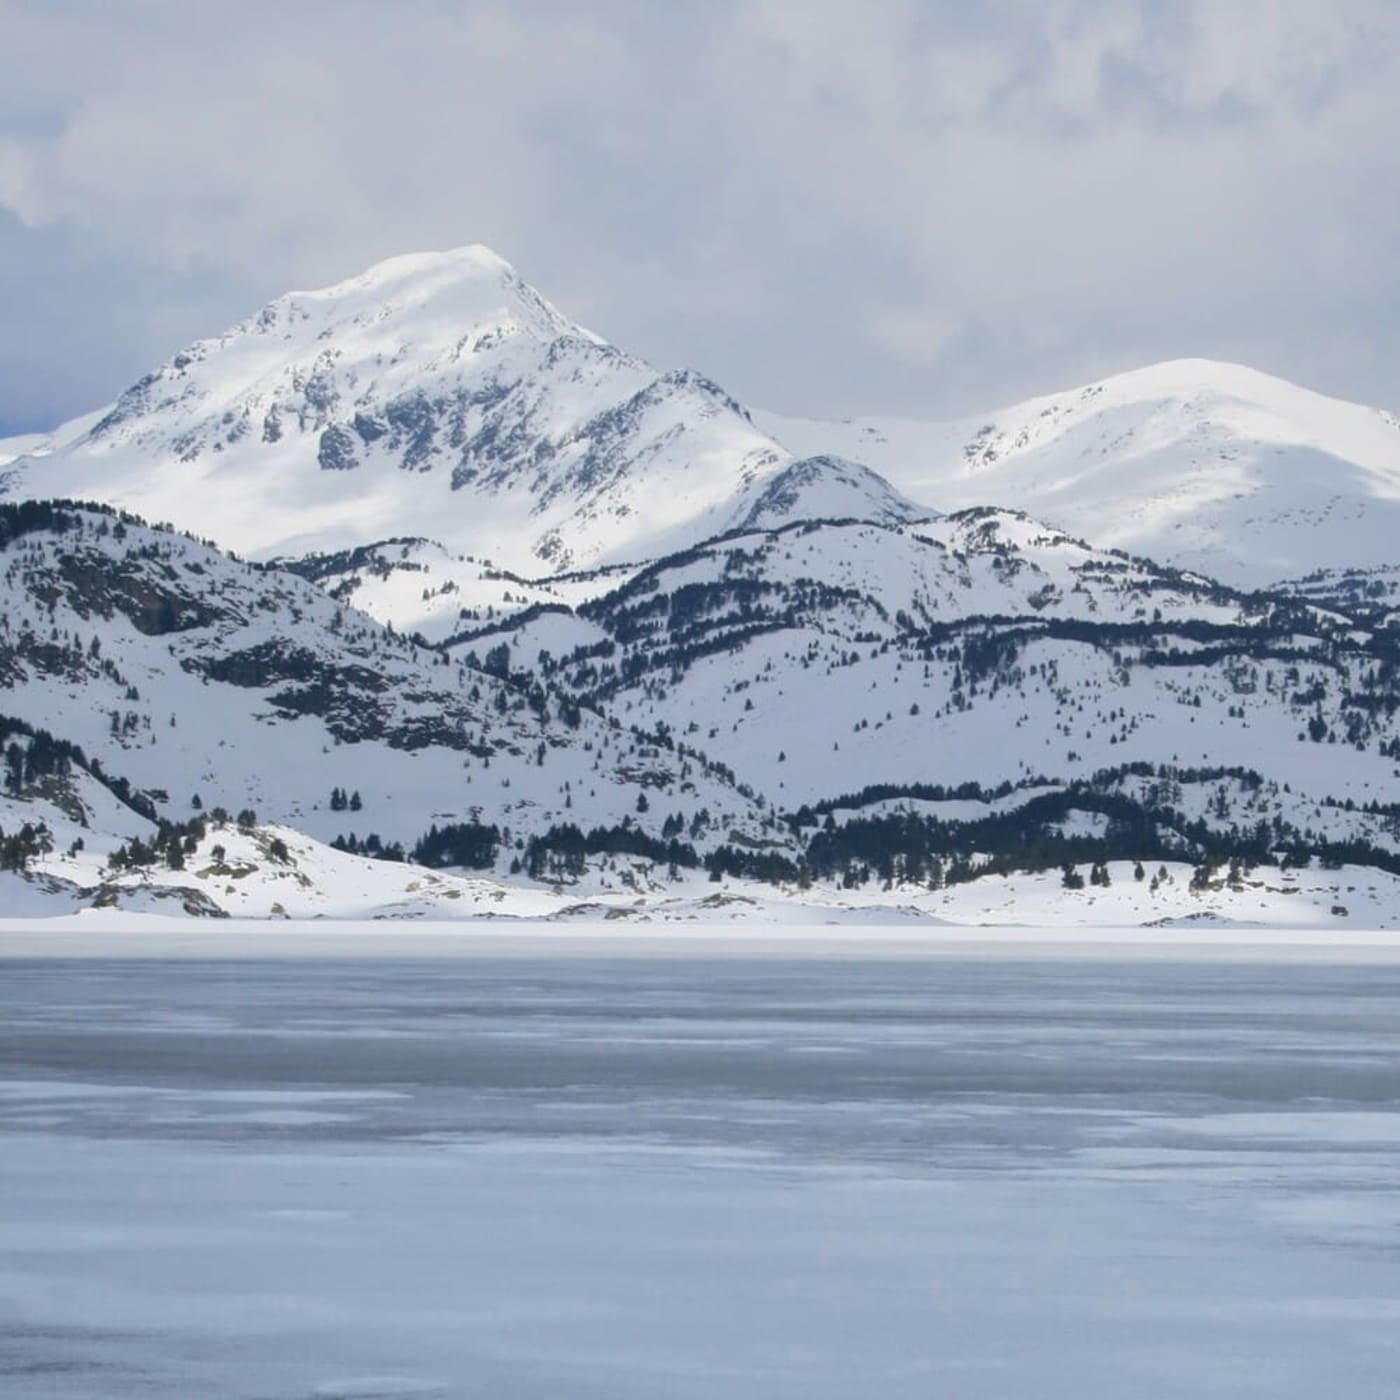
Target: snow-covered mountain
{"type": "Point", "coordinates": [434, 396]}
{"type": "Point", "coordinates": [1206, 466]}
{"type": "Point", "coordinates": [827, 488]}
{"type": "Point", "coordinates": [527, 606]}
{"type": "Point", "coordinates": [439, 397]}
{"type": "Point", "coordinates": [984, 669]}
{"type": "Point", "coordinates": [200, 682]}
{"type": "Point", "coordinates": [421, 587]}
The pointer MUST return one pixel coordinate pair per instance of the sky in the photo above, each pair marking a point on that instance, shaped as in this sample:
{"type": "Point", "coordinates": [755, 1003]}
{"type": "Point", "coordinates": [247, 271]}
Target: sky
{"type": "Point", "coordinates": [830, 207]}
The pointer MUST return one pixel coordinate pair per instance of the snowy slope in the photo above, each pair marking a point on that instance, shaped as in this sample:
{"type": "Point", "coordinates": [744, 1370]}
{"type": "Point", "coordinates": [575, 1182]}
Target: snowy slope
{"type": "Point", "coordinates": [828, 488]}
{"type": "Point", "coordinates": [1207, 466]}
{"type": "Point", "coordinates": [33, 445]}
{"type": "Point", "coordinates": [25, 445]}
{"type": "Point", "coordinates": [271, 872]}
{"type": "Point", "coordinates": [434, 396]}
{"type": "Point", "coordinates": [985, 651]}
{"type": "Point", "coordinates": [867, 582]}
{"type": "Point", "coordinates": [1370, 593]}
{"type": "Point", "coordinates": [901, 705]}
{"type": "Point", "coordinates": [190, 674]}
{"type": "Point", "coordinates": [225, 867]}
{"type": "Point", "coordinates": [420, 587]}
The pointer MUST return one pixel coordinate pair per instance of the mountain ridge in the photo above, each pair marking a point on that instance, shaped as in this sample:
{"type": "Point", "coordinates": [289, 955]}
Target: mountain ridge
{"type": "Point", "coordinates": [1203, 464]}
{"type": "Point", "coordinates": [549, 613]}
{"type": "Point", "coordinates": [433, 395]}
{"type": "Point", "coordinates": [439, 395]}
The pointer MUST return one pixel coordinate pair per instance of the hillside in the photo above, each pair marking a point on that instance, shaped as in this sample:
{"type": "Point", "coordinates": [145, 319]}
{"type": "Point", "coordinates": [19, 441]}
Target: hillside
{"type": "Point", "coordinates": [1206, 466]}
{"type": "Point", "coordinates": [865, 706]}
{"type": "Point", "coordinates": [983, 669]}
{"type": "Point", "coordinates": [206, 683]}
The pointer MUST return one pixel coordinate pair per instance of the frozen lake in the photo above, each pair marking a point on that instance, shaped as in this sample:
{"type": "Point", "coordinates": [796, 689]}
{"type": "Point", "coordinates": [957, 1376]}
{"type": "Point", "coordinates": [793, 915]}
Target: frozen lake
{"type": "Point", "coordinates": [699, 1176]}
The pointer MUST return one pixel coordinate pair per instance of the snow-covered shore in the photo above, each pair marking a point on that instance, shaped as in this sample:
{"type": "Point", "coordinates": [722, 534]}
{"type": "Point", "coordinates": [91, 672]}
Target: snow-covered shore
{"type": "Point", "coordinates": [112, 933]}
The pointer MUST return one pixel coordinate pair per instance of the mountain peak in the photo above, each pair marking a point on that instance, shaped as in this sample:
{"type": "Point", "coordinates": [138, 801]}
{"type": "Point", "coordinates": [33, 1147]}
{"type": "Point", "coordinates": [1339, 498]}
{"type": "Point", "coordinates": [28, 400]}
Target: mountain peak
{"type": "Point", "coordinates": [420, 273]}
{"type": "Point", "coordinates": [451, 291]}
{"type": "Point", "coordinates": [828, 487]}
{"type": "Point", "coordinates": [434, 394]}
{"type": "Point", "coordinates": [467, 258]}
{"type": "Point", "coordinates": [1192, 377]}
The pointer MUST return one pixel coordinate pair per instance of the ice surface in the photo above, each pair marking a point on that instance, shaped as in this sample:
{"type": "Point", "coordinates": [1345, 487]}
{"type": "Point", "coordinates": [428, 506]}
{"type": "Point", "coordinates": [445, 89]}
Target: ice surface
{"type": "Point", "coordinates": [697, 1175]}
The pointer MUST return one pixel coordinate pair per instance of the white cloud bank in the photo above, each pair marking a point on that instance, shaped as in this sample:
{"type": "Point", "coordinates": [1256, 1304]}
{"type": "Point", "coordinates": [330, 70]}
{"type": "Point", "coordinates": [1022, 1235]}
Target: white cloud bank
{"type": "Point", "coordinates": [830, 207]}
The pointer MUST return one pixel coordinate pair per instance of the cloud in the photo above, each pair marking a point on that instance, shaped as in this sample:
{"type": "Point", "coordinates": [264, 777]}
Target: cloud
{"type": "Point", "coordinates": [915, 334]}
{"type": "Point", "coordinates": [896, 206]}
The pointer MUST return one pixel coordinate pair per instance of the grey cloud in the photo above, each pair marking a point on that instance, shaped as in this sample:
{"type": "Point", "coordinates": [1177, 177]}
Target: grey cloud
{"type": "Point", "coordinates": [832, 208]}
